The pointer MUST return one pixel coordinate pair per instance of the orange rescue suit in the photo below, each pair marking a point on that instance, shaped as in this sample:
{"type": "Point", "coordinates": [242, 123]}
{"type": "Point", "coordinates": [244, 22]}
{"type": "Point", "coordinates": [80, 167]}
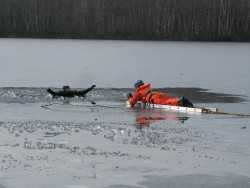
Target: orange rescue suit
{"type": "Point", "coordinates": [144, 94]}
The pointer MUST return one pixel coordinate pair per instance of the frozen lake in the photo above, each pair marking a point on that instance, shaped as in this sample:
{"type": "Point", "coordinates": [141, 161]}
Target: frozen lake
{"type": "Point", "coordinates": [222, 67]}
{"type": "Point", "coordinates": [108, 145]}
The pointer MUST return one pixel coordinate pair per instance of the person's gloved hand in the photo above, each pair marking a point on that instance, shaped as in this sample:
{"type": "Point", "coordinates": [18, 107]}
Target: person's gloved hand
{"type": "Point", "coordinates": [129, 95]}
{"type": "Point", "coordinates": [93, 86]}
{"type": "Point", "coordinates": [49, 90]}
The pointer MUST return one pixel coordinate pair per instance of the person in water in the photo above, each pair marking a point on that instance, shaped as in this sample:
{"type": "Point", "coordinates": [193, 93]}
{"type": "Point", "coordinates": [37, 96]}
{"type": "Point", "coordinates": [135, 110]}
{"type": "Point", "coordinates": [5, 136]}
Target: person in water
{"type": "Point", "coordinates": [145, 94]}
{"type": "Point", "coordinates": [67, 93]}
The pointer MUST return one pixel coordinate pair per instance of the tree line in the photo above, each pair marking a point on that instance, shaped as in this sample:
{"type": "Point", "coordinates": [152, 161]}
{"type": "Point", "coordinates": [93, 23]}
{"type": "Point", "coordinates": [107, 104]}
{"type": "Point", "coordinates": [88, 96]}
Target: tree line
{"type": "Point", "coordinates": [205, 20]}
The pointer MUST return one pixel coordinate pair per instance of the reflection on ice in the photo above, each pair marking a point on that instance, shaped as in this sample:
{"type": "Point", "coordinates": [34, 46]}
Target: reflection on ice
{"type": "Point", "coordinates": [145, 117]}
{"type": "Point", "coordinates": [145, 121]}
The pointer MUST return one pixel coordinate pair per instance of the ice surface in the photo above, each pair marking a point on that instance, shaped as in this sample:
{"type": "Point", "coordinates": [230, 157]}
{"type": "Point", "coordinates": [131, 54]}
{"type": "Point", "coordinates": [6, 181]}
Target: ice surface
{"type": "Point", "coordinates": [107, 145]}
{"type": "Point", "coordinates": [222, 67]}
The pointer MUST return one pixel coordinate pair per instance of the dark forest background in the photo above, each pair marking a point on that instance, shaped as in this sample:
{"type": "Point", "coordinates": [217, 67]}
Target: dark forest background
{"type": "Point", "coordinates": [205, 20]}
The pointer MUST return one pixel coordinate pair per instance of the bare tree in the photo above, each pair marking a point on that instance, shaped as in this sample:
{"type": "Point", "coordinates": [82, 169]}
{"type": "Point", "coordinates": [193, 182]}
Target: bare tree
{"type": "Point", "coordinates": [215, 20]}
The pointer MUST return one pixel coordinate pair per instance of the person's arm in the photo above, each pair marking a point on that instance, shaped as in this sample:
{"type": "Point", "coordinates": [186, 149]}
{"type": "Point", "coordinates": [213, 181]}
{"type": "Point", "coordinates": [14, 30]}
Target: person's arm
{"type": "Point", "coordinates": [84, 92]}
{"type": "Point", "coordinates": [53, 93]}
{"type": "Point", "coordinates": [135, 98]}
{"type": "Point", "coordinates": [60, 93]}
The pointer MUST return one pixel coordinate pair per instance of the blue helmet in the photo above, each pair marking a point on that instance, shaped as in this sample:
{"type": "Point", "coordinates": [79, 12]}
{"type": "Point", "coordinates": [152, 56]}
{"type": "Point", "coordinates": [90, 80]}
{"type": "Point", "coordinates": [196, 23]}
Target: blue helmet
{"type": "Point", "coordinates": [138, 83]}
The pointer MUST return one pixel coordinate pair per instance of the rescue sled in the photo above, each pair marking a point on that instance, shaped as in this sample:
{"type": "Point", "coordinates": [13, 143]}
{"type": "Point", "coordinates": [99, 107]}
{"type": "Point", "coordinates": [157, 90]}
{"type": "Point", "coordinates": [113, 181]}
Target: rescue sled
{"type": "Point", "coordinates": [175, 108]}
